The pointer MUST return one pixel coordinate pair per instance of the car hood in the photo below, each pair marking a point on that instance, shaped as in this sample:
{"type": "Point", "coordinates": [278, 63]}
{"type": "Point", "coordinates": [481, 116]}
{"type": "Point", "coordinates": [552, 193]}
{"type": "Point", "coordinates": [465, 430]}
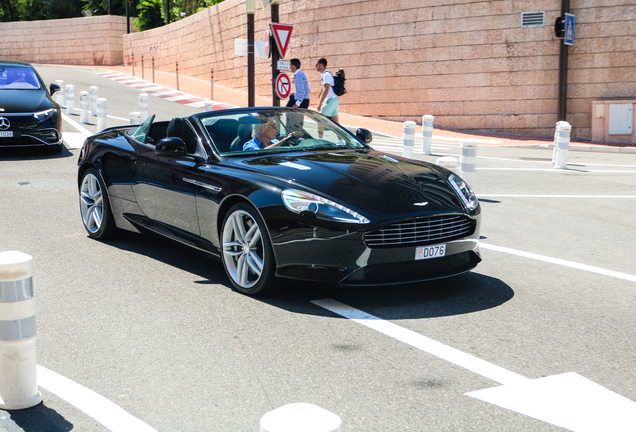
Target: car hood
{"type": "Point", "coordinates": [387, 186]}
{"type": "Point", "coordinates": [24, 101]}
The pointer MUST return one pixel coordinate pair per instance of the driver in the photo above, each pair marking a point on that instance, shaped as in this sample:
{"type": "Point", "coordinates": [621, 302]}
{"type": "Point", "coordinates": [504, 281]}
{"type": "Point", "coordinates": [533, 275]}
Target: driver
{"type": "Point", "coordinates": [265, 137]}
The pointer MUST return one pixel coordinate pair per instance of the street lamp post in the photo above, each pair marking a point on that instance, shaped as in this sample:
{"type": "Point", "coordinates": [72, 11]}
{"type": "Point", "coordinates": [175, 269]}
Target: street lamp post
{"type": "Point", "coordinates": [250, 8]}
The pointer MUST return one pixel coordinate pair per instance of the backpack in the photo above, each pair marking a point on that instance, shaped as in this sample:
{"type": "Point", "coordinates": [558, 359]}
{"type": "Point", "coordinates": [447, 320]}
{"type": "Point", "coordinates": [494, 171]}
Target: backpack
{"type": "Point", "coordinates": [339, 80]}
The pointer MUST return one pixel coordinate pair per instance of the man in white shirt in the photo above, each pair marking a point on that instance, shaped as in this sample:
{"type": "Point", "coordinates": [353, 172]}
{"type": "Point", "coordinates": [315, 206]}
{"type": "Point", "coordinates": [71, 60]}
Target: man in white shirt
{"type": "Point", "coordinates": [327, 95]}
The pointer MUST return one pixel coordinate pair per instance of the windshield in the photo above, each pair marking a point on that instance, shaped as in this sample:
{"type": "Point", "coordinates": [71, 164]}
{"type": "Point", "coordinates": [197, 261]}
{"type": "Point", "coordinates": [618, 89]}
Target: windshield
{"type": "Point", "coordinates": [272, 130]}
{"type": "Point", "coordinates": [16, 77]}
{"type": "Point", "coordinates": [141, 133]}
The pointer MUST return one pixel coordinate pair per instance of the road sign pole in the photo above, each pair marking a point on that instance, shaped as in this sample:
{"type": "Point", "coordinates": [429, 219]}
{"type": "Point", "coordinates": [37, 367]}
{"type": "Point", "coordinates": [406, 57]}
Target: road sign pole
{"type": "Point", "coordinates": [250, 56]}
{"type": "Point", "coordinates": [275, 58]}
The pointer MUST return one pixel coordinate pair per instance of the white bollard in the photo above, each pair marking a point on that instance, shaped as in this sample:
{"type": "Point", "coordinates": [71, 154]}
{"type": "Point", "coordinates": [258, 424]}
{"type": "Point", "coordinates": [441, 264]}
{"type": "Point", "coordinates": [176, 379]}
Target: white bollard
{"type": "Point", "coordinates": [208, 106]}
{"type": "Point", "coordinates": [93, 91]}
{"type": "Point", "coordinates": [298, 417]}
{"type": "Point", "coordinates": [562, 145]}
{"type": "Point", "coordinates": [135, 118]}
{"type": "Point", "coordinates": [408, 138]}
{"type": "Point", "coordinates": [18, 373]}
{"type": "Point", "coordinates": [427, 133]}
{"type": "Point", "coordinates": [70, 99]}
{"type": "Point", "coordinates": [143, 106]}
{"type": "Point", "coordinates": [468, 161]}
{"type": "Point", "coordinates": [448, 162]}
{"type": "Point", "coordinates": [84, 107]}
{"type": "Point", "coordinates": [59, 96]}
{"type": "Point", "coordinates": [556, 135]}
{"type": "Point", "coordinates": [101, 114]}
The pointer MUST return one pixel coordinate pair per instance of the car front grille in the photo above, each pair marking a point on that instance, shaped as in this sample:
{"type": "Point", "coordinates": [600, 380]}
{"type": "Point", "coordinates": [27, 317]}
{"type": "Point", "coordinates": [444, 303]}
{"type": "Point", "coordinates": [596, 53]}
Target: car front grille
{"type": "Point", "coordinates": [421, 232]}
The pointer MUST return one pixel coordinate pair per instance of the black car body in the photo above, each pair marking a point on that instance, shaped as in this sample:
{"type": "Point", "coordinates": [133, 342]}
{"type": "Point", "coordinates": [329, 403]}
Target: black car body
{"type": "Point", "coordinates": [327, 209]}
{"type": "Point", "coordinates": [28, 115]}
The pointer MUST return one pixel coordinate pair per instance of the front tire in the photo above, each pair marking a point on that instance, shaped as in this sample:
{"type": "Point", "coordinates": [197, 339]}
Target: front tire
{"type": "Point", "coordinates": [95, 206]}
{"type": "Point", "coordinates": [246, 251]}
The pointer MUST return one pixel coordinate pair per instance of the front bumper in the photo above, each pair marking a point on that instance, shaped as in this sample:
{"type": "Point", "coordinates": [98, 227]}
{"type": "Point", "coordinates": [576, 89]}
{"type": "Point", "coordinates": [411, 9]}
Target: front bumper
{"type": "Point", "coordinates": [341, 257]}
{"type": "Point", "coordinates": [29, 132]}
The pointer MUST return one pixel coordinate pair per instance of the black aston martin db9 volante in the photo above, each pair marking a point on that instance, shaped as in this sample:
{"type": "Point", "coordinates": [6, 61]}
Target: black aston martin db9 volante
{"type": "Point", "coordinates": [28, 114]}
{"type": "Point", "coordinates": [278, 192]}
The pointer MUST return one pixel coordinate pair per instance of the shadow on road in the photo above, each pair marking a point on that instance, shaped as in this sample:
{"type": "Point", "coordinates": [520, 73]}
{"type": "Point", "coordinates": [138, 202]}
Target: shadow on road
{"type": "Point", "coordinates": [467, 293]}
{"type": "Point", "coordinates": [33, 153]}
{"type": "Point", "coordinates": [36, 419]}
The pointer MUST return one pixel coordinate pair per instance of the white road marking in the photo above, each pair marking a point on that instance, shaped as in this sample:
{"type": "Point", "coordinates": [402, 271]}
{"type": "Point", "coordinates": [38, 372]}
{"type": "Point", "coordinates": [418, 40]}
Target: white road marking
{"type": "Point", "coordinates": [109, 414]}
{"type": "Point", "coordinates": [416, 340]}
{"type": "Point", "coordinates": [557, 196]}
{"type": "Point", "coordinates": [558, 261]}
{"type": "Point", "coordinates": [73, 140]}
{"type": "Point", "coordinates": [76, 125]}
{"type": "Point", "coordinates": [567, 400]}
{"type": "Point", "coordinates": [556, 170]}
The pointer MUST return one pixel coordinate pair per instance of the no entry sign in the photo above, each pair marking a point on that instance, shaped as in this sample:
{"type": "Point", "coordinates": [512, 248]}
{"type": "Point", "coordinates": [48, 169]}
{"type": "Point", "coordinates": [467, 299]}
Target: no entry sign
{"type": "Point", "coordinates": [283, 85]}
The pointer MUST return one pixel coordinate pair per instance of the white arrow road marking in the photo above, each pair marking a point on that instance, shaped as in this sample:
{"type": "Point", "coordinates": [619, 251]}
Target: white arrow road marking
{"type": "Point", "coordinates": [109, 414]}
{"type": "Point", "coordinates": [569, 400]}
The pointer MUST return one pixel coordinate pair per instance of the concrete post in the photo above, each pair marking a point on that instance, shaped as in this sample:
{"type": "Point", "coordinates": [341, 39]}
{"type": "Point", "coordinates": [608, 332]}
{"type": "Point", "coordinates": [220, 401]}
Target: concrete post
{"type": "Point", "coordinates": [59, 96]}
{"type": "Point", "coordinates": [143, 106]}
{"type": "Point", "coordinates": [84, 106]}
{"type": "Point", "coordinates": [70, 99]}
{"type": "Point", "coordinates": [135, 118]}
{"type": "Point", "coordinates": [300, 417]}
{"type": "Point", "coordinates": [448, 162]}
{"type": "Point", "coordinates": [468, 161]}
{"type": "Point", "coordinates": [101, 114]}
{"type": "Point", "coordinates": [18, 374]}
{"type": "Point", "coordinates": [408, 138]}
{"type": "Point", "coordinates": [562, 145]}
{"type": "Point", "coordinates": [93, 91]}
{"type": "Point", "coordinates": [427, 133]}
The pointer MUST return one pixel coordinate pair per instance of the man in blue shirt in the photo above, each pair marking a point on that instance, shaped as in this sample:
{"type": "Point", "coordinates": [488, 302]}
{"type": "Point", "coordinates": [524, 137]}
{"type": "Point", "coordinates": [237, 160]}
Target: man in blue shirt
{"type": "Point", "coordinates": [299, 99]}
{"type": "Point", "coordinates": [265, 137]}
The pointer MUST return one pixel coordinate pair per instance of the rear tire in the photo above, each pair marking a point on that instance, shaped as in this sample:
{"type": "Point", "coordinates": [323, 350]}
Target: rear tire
{"type": "Point", "coordinates": [246, 251]}
{"type": "Point", "coordinates": [95, 206]}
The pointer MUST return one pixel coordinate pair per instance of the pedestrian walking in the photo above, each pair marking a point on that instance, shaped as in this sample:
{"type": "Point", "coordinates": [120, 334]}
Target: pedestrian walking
{"type": "Point", "coordinates": [327, 95]}
{"type": "Point", "coordinates": [300, 98]}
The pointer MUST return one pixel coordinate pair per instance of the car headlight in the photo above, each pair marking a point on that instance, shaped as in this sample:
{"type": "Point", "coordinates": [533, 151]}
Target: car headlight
{"type": "Point", "coordinates": [464, 191]}
{"type": "Point", "coordinates": [43, 115]}
{"type": "Point", "coordinates": [322, 208]}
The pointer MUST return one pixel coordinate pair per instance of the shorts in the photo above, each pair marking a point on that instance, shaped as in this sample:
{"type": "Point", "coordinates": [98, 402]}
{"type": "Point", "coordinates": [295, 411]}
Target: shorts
{"type": "Point", "coordinates": [330, 108]}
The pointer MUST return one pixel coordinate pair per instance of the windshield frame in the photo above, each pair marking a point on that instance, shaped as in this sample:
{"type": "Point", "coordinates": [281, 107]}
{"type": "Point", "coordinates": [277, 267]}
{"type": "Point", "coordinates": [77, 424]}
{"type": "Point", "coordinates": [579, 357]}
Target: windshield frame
{"type": "Point", "coordinates": [307, 141]}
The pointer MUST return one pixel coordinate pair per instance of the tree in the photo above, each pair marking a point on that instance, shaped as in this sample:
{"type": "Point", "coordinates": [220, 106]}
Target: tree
{"type": "Point", "coordinates": [151, 15]}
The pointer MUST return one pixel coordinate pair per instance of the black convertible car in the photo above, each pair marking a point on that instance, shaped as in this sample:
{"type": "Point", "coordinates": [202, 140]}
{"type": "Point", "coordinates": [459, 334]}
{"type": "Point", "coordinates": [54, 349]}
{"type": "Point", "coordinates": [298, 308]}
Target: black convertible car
{"type": "Point", "coordinates": [28, 115]}
{"type": "Point", "coordinates": [278, 192]}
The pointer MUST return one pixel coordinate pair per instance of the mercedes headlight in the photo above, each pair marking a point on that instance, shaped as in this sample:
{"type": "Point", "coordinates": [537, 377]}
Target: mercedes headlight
{"type": "Point", "coordinates": [44, 115]}
{"type": "Point", "coordinates": [322, 208]}
{"type": "Point", "coordinates": [464, 191]}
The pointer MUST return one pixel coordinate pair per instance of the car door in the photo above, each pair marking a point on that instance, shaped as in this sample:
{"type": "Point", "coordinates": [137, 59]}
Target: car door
{"type": "Point", "coordinates": [163, 186]}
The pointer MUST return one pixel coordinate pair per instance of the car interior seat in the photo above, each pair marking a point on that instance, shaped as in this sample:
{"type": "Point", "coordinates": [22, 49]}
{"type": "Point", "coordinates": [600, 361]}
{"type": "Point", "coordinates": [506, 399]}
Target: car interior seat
{"type": "Point", "coordinates": [223, 132]}
{"type": "Point", "coordinates": [243, 135]}
{"type": "Point", "coordinates": [179, 128]}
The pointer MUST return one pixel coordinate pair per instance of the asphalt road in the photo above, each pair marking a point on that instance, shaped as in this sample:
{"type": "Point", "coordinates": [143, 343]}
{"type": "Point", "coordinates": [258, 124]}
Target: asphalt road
{"type": "Point", "coordinates": [155, 328]}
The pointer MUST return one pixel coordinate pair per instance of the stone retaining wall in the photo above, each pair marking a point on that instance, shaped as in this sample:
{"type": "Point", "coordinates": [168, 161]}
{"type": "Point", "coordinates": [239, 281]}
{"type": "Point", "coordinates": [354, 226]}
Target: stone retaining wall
{"type": "Point", "coordinates": [75, 41]}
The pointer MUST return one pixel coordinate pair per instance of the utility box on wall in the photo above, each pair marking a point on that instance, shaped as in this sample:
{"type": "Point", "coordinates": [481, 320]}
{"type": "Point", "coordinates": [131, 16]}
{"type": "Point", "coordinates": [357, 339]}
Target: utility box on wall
{"type": "Point", "coordinates": [613, 121]}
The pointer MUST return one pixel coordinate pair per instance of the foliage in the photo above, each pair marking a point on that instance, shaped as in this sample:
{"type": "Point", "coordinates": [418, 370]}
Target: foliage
{"type": "Point", "coordinates": [151, 15]}
{"type": "Point", "coordinates": [117, 7]}
{"type": "Point", "coordinates": [66, 9]}
{"type": "Point", "coordinates": [24, 10]}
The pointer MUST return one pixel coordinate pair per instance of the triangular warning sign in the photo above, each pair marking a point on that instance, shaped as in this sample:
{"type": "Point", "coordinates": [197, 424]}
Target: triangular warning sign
{"type": "Point", "coordinates": [282, 35]}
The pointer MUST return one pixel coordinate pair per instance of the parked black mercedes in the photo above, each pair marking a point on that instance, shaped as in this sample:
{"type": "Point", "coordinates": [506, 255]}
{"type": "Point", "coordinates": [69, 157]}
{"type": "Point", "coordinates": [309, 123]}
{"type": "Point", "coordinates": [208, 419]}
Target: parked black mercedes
{"type": "Point", "coordinates": [280, 193]}
{"type": "Point", "coordinates": [28, 115]}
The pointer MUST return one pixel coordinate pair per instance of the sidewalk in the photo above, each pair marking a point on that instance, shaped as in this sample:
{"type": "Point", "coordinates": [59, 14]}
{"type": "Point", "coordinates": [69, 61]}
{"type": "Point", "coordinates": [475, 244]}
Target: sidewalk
{"type": "Point", "coordinates": [230, 96]}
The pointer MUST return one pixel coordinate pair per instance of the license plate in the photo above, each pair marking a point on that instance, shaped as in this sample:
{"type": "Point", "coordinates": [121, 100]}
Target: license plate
{"type": "Point", "coordinates": [428, 252]}
{"type": "Point", "coordinates": [6, 134]}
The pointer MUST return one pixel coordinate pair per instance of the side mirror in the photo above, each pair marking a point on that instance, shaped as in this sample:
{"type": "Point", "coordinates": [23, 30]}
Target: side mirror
{"type": "Point", "coordinates": [364, 135]}
{"type": "Point", "coordinates": [171, 146]}
{"type": "Point", "coordinates": [54, 88]}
